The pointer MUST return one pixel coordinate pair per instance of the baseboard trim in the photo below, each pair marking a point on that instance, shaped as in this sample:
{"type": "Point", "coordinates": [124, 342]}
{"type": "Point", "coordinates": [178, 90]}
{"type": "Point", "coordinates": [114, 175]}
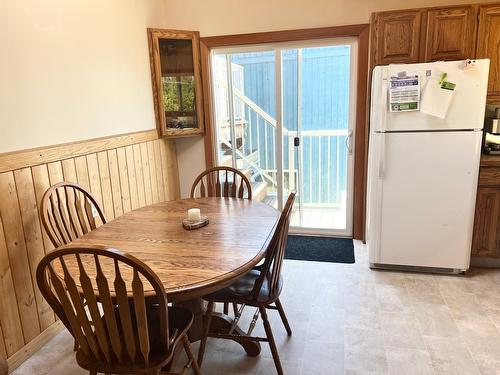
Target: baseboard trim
{"type": "Point", "coordinates": [15, 360]}
{"type": "Point", "coordinates": [485, 262]}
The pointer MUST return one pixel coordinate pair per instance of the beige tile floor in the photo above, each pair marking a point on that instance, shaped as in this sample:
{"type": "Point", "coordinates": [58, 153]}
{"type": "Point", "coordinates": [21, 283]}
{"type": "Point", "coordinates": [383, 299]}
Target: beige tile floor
{"type": "Point", "coordinates": [348, 319]}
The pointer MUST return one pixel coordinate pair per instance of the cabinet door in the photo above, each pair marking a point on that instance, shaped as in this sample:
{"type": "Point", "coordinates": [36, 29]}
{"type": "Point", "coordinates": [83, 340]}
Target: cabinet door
{"type": "Point", "coordinates": [397, 37]}
{"type": "Point", "coordinates": [488, 45]}
{"type": "Point", "coordinates": [486, 239]}
{"type": "Point", "coordinates": [451, 34]}
{"type": "Point", "coordinates": [176, 78]}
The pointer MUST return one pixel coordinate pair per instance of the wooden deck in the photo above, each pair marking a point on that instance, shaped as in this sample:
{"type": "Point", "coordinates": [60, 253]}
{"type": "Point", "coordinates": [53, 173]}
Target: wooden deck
{"type": "Point", "coordinates": [333, 218]}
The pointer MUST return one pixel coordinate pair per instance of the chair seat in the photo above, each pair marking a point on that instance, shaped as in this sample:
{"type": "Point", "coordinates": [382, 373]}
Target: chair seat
{"type": "Point", "coordinates": [179, 321]}
{"type": "Point", "coordinates": [241, 291]}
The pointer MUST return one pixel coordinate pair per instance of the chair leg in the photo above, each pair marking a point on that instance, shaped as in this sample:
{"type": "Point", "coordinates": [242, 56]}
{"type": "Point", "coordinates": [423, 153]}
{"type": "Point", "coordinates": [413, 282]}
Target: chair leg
{"type": "Point", "coordinates": [168, 367]}
{"type": "Point", "coordinates": [283, 317]}
{"type": "Point", "coordinates": [190, 355]}
{"type": "Point", "coordinates": [270, 337]}
{"type": "Point", "coordinates": [206, 330]}
{"type": "Point", "coordinates": [235, 308]}
{"type": "Point", "coordinates": [226, 308]}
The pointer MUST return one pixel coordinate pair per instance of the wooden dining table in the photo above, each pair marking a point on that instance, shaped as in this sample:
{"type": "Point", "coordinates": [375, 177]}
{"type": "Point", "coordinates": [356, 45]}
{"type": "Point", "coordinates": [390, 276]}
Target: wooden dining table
{"type": "Point", "coordinates": [193, 263]}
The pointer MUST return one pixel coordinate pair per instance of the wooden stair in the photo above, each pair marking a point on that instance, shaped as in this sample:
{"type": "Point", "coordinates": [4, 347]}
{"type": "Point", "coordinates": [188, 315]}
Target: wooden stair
{"type": "Point", "coordinates": [259, 188]}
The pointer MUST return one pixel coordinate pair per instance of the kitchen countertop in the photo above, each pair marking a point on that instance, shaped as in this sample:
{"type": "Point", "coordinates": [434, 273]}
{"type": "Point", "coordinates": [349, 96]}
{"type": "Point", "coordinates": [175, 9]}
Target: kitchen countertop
{"type": "Point", "coordinates": [490, 160]}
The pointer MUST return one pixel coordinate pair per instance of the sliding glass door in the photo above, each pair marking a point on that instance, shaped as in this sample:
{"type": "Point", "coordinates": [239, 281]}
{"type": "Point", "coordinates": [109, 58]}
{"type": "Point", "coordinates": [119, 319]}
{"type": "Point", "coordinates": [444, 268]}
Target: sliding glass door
{"type": "Point", "coordinates": [284, 115]}
{"type": "Point", "coordinates": [246, 131]}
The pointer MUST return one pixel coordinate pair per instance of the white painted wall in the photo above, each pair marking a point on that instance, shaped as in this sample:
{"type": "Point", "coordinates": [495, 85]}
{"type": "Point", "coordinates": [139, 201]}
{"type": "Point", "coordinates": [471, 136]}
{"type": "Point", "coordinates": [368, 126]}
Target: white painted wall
{"type": "Point", "coordinates": [79, 69]}
{"type": "Point", "coordinates": [219, 17]}
{"type": "Point", "coordinates": [74, 70]}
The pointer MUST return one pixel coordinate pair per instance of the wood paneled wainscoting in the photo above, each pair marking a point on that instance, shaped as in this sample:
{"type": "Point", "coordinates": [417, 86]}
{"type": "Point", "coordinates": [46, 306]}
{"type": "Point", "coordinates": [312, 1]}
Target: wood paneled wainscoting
{"type": "Point", "coordinates": [123, 172]}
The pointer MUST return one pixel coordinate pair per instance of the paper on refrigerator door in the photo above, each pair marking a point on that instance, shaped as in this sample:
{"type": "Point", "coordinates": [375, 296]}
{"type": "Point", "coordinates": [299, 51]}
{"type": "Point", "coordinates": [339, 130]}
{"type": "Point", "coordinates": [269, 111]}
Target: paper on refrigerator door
{"type": "Point", "coordinates": [404, 93]}
{"type": "Point", "coordinates": [437, 98]}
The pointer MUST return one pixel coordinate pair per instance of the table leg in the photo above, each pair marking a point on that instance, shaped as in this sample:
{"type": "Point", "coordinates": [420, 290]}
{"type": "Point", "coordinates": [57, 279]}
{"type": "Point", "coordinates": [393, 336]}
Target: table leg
{"type": "Point", "coordinates": [198, 308]}
{"type": "Point", "coordinates": [221, 324]}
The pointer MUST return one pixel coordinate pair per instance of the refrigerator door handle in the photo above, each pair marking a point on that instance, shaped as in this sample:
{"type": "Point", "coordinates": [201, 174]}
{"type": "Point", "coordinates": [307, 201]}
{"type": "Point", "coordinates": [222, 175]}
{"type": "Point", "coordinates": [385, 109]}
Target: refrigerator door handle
{"type": "Point", "coordinates": [381, 162]}
{"type": "Point", "coordinates": [385, 103]}
{"type": "Point", "coordinates": [381, 169]}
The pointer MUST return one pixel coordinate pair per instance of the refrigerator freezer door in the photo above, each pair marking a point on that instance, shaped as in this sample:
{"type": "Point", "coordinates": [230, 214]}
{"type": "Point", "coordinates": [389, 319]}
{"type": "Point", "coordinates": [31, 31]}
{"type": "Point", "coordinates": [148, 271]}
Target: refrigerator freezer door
{"type": "Point", "coordinates": [422, 192]}
{"type": "Point", "coordinates": [466, 110]}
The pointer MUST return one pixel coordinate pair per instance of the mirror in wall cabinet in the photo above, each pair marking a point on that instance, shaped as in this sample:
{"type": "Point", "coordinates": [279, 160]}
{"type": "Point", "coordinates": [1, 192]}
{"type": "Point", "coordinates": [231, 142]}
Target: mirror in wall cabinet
{"type": "Point", "coordinates": [176, 78]}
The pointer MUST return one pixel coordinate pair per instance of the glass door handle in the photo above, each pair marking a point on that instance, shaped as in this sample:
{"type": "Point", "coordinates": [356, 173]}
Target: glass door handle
{"type": "Point", "coordinates": [296, 141]}
{"type": "Point", "coordinates": [348, 142]}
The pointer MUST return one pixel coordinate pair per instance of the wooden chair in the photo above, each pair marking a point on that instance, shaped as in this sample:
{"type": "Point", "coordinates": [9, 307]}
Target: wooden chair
{"type": "Point", "coordinates": [221, 182]}
{"type": "Point", "coordinates": [68, 212]}
{"type": "Point", "coordinates": [259, 288]}
{"type": "Point", "coordinates": [136, 332]}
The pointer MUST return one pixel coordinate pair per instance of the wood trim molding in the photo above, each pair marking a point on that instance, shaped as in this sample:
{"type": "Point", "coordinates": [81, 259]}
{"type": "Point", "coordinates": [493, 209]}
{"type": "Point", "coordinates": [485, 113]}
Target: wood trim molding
{"type": "Point", "coordinates": [362, 32]}
{"type": "Point", "coordinates": [361, 137]}
{"type": "Point", "coordinates": [284, 36]}
{"type": "Point", "coordinates": [207, 105]}
{"type": "Point", "coordinates": [34, 345]}
{"type": "Point", "coordinates": [41, 155]}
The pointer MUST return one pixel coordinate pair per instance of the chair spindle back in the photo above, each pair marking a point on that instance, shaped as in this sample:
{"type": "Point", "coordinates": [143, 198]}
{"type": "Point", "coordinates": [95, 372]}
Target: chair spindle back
{"type": "Point", "coordinates": [221, 182]}
{"type": "Point", "coordinates": [68, 212]}
{"type": "Point", "coordinates": [109, 320]}
{"type": "Point", "coordinates": [271, 269]}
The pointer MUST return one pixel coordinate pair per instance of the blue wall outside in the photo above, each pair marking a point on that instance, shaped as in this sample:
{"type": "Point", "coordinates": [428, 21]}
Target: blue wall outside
{"type": "Point", "coordinates": [325, 106]}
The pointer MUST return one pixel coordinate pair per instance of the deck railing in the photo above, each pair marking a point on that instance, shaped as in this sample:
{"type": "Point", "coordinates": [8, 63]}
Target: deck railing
{"type": "Point", "coordinates": [322, 153]}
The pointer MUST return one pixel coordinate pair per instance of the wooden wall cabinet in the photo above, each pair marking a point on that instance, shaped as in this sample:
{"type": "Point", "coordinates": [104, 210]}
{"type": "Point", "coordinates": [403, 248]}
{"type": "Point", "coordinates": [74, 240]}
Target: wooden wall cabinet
{"type": "Point", "coordinates": [439, 34]}
{"type": "Point", "coordinates": [396, 37]}
{"type": "Point", "coordinates": [488, 45]}
{"type": "Point", "coordinates": [451, 34]}
{"type": "Point", "coordinates": [176, 79]}
{"type": "Point", "coordinates": [486, 237]}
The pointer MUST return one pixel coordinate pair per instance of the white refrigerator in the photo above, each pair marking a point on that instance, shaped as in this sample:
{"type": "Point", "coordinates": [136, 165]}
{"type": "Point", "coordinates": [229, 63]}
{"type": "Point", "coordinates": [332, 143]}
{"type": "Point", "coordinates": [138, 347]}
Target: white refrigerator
{"type": "Point", "coordinates": [423, 167]}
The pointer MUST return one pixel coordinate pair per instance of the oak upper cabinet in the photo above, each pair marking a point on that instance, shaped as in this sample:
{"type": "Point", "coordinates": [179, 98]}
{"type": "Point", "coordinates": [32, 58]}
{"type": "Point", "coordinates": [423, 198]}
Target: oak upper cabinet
{"type": "Point", "coordinates": [396, 37]}
{"type": "Point", "coordinates": [442, 33]}
{"type": "Point", "coordinates": [176, 79]}
{"type": "Point", "coordinates": [450, 33]}
{"type": "Point", "coordinates": [488, 45]}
